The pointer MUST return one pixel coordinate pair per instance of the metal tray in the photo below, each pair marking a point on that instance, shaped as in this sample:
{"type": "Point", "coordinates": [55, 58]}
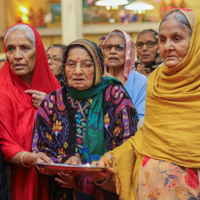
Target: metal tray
{"type": "Point", "coordinates": [66, 167]}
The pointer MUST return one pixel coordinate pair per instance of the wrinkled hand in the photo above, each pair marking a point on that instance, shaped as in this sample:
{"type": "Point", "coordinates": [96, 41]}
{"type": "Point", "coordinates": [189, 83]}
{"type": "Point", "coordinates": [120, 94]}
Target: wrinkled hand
{"type": "Point", "coordinates": [108, 173]}
{"type": "Point", "coordinates": [73, 160]}
{"type": "Point", "coordinates": [42, 158]}
{"type": "Point", "coordinates": [105, 161]}
{"type": "Point", "coordinates": [37, 97]}
{"type": "Point", "coordinates": [67, 179]}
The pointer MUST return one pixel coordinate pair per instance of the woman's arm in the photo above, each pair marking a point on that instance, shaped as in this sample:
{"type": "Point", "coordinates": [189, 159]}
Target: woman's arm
{"type": "Point", "coordinates": [122, 117]}
{"type": "Point", "coordinates": [19, 156]}
{"type": "Point", "coordinates": [29, 159]}
{"type": "Point", "coordinates": [51, 133]}
{"type": "Point", "coordinates": [37, 97]}
{"type": "Point", "coordinates": [42, 138]}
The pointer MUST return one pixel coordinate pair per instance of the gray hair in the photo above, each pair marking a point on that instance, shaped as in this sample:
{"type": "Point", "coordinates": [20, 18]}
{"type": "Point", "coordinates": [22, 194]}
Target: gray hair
{"type": "Point", "coordinates": [180, 18]}
{"type": "Point", "coordinates": [60, 46]}
{"type": "Point", "coordinates": [151, 31]}
{"type": "Point", "coordinates": [116, 32]}
{"type": "Point", "coordinates": [28, 32]}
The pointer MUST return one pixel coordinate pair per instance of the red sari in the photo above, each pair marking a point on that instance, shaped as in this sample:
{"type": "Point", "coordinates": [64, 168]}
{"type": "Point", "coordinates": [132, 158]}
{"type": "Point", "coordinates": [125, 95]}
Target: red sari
{"type": "Point", "coordinates": [17, 119]}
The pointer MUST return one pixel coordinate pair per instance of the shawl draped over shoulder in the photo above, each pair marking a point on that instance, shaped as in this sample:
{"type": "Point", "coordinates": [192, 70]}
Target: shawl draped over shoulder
{"type": "Point", "coordinates": [171, 124]}
{"type": "Point", "coordinates": [17, 118]}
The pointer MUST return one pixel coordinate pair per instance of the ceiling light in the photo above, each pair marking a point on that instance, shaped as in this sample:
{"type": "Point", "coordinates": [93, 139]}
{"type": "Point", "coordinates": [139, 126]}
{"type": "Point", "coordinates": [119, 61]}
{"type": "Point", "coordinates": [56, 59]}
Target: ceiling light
{"type": "Point", "coordinates": [139, 6]}
{"type": "Point", "coordinates": [111, 3]}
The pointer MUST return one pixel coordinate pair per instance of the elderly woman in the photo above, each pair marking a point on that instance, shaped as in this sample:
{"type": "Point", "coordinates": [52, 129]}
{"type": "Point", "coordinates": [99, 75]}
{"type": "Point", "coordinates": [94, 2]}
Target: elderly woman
{"type": "Point", "coordinates": [147, 51]}
{"type": "Point", "coordinates": [54, 57]}
{"type": "Point", "coordinates": [26, 68]}
{"type": "Point", "coordinates": [162, 160]}
{"type": "Point", "coordinates": [119, 58]}
{"type": "Point", "coordinates": [81, 121]}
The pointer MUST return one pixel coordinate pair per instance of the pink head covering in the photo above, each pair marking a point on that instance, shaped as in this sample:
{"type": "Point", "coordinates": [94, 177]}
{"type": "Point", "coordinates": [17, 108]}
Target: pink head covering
{"type": "Point", "coordinates": [129, 52]}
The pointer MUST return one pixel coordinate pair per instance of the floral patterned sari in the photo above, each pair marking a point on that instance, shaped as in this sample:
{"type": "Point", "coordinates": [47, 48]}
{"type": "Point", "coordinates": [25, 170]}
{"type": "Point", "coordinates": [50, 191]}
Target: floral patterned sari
{"type": "Point", "coordinates": [163, 180]}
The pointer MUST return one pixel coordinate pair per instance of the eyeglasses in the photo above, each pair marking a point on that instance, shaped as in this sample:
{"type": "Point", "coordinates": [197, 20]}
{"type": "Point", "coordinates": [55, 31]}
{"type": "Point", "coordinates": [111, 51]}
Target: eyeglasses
{"type": "Point", "coordinates": [148, 44]}
{"type": "Point", "coordinates": [86, 65]}
{"type": "Point", "coordinates": [118, 47]}
{"type": "Point", "coordinates": [54, 59]}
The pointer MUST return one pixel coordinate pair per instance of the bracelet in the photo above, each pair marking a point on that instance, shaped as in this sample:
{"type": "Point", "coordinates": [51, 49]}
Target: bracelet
{"type": "Point", "coordinates": [28, 159]}
{"type": "Point", "coordinates": [22, 159]}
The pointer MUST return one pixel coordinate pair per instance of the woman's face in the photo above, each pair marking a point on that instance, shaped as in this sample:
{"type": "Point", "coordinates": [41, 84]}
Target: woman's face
{"type": "Point", "coordinates": [20, 53]}
{"type": "Point", "coordinates": [145, 54]}
{"type": "Point", "coordinates": [54, 56]}
{"type": "Point", "coordinates": [174, 41]}
{"type": "Point", "coordinates": [114, 52]}
{"type": "Point", "coordinates": [79, 69]}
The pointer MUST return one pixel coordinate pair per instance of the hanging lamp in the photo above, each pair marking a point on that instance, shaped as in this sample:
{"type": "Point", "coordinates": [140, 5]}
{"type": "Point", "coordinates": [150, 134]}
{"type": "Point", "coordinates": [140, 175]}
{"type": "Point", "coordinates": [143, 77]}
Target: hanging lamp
{"type": "Point", "coordinates": [111, 3]}
{"type": "Point", "coordinates": [139, 6]}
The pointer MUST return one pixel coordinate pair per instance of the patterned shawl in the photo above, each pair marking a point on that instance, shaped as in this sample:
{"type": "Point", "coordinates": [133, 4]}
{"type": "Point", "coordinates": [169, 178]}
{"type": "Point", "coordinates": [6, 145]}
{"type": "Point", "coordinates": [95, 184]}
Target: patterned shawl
{"type": "Point", "coordinates": [95, 124]}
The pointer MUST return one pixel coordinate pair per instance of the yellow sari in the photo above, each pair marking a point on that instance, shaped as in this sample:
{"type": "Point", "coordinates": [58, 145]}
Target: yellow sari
{"type": "Point", "coordinates": [171, 130]}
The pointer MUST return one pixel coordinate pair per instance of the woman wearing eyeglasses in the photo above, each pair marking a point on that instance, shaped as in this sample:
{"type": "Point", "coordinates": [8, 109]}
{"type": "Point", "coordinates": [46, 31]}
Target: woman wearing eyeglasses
{"type": "Point", "coordinates": [119, 60]}
{"type": "Point", "coordinates": [54, 57]}
{"type": "Point", "coordinates": [147, 51]}
{"type": "Point", "coordinates": [78, 123]}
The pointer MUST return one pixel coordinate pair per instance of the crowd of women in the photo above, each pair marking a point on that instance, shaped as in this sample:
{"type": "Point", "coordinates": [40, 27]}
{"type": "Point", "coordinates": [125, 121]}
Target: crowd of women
{"type": "Point", "coordinates": [83, 103]}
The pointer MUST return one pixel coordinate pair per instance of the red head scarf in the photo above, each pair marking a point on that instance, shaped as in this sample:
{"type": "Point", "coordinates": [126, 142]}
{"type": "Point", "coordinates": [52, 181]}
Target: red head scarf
{"type": "Point", "coordinates": [43, 79]}
{"type": "Point", "coordinates": [17, 114]}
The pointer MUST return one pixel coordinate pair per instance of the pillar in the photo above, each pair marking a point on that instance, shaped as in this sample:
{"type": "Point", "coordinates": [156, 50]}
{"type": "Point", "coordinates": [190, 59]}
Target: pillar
{"type": "Point", "coordinates": [3, 15]}
{"type": "Point", "coordinates": [72, 20]}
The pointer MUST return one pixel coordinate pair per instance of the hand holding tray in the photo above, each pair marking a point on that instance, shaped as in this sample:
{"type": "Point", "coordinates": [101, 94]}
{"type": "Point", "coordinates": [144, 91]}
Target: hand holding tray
{"type": "Point", "coordinates": [66, 167]}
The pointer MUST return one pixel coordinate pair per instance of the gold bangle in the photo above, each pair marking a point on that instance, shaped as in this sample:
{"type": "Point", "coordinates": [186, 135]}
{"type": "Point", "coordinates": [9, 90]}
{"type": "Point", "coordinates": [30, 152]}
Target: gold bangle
{"type": "Point", "coordinates": [22, 159]}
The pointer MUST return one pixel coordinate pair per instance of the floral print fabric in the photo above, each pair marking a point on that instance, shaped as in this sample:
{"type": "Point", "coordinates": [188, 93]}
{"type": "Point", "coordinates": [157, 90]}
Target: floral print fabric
{"type": "Point", "coordinates": [159, 180]}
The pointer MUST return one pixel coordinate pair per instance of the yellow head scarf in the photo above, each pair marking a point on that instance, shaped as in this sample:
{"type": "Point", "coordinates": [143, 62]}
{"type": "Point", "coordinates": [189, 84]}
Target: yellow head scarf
{"type": "Point", "coordinates": [171, 126]}
{"type": "Point", "coordinates": [171, 130]}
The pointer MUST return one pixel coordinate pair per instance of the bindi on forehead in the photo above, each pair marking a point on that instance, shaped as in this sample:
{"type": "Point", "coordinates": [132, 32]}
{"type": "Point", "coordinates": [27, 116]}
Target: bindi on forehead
{"type": "Point", "coordinates": [77, 58]}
